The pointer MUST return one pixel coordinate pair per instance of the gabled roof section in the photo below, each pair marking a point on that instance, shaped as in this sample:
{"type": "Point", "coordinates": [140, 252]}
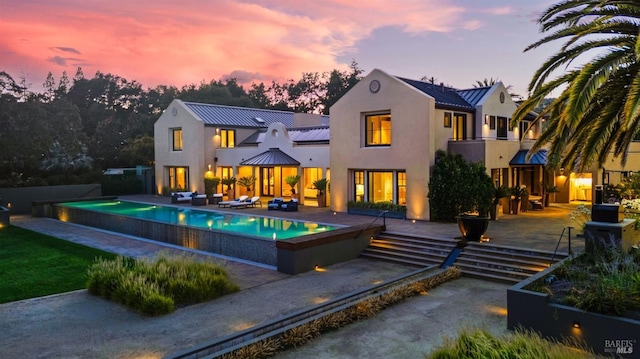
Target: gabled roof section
{"type": "Point", "coordinates": [474, 95]}
{"type": "Point", "coordinates": [299, 135]}
{"type": "Point", "coordinates": [271, 157]}
{"type": "Point", "coordinates": [446, 97]}
{"type": "Point", "coordinates": [238, 116]}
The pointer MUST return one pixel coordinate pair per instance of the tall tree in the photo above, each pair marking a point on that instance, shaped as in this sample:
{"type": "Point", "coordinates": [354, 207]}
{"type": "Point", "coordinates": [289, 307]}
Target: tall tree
{"type": "Point", "coordinates": [598, 110]}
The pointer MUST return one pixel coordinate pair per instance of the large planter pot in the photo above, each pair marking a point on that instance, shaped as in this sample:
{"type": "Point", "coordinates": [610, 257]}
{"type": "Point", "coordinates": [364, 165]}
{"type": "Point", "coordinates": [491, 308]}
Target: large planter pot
{"type": "Point", "coordinates": [322, 199]}
{"type": "Point", "coordinates": [472, 227]}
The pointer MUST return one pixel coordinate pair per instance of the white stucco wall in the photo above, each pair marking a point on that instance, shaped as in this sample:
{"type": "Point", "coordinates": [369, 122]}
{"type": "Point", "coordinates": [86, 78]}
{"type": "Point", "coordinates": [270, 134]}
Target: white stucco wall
{"type": "Point", "coordinates": [412, 139]}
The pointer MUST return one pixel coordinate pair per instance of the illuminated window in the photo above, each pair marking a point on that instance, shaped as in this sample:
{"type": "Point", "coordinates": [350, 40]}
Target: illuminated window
{"type": "Point", "coordinates": [380, 186]}
{"type": "Point", "coordinates": [492, 122]}
{"type": "Point", "coordinates": [227, 138]}
{"type": "Point", "coordinates": [176, 134]}
{"type": "Point", "coordinates": [178, 177]}
{"type": "Point", "coordinates": [447, 119]}
{"type": "Point", "coordinates": [226, 172]}
{"type": "Point", "coordinates": [358, 177]}
{"type": "Point", "coordinates": [459, 127]}
{"type": "Point", "coordinates": [378, 130]}
{"type": "Point", "coordinates": [402, 188]}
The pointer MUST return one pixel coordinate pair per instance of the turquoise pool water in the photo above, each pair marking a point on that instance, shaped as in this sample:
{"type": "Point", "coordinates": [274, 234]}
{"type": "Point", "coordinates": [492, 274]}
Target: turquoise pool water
{"type": "Point", "coordinates": [266, 227]}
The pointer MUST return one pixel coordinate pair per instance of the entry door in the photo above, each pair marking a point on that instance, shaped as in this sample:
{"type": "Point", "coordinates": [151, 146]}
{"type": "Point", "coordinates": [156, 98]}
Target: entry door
{"type": "Point", "coordinates": [267, 180]}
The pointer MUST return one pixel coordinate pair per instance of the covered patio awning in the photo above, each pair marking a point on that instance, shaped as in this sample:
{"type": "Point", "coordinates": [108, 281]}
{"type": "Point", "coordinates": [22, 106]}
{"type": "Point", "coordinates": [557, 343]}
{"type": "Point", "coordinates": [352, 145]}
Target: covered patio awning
{"type": "Point", "coordinates": [271, 157]}
{"type": "Point", "coordinates": [537, 159]}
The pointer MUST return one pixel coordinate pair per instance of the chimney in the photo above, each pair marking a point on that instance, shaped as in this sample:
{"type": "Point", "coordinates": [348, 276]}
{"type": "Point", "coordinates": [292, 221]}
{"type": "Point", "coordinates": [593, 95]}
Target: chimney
{"type": "Point", "coordinates": [442, 86]}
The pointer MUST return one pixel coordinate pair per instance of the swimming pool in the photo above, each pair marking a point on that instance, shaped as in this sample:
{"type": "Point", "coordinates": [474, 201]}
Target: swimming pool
{"type": "Point", "coordinates": [289, 246]}
{"type": "Point", "coordinates": [265, 227]}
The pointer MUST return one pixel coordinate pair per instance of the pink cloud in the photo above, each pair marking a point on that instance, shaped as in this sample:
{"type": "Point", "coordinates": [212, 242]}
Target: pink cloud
{"type": "Point", "coordinates": [177, 43]}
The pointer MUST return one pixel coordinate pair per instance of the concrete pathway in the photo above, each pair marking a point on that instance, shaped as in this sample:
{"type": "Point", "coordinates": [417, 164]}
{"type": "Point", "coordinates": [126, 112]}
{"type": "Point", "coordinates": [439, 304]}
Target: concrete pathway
{"type": "Point", "coordinates": [78, 325]}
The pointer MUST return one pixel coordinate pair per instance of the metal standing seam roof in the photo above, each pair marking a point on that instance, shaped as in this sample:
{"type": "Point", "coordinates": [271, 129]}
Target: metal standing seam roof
{"type": "Point", "coordinates": [520, 158]}
{"type": "Point", "coordinates": [299, 135]}
{"type": "Point", "coordinates": [444, 96]}
{"type": "Point", "coordinates": [239, 116]}
{"type": "Point", "coordinates": [271, 157]}
{"type": "Point", "coordinates": [474, 95]}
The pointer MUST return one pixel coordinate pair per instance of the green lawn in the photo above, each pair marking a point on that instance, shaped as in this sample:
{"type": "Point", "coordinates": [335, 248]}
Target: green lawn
{"type": "Point", "coordinates": [35, 265]}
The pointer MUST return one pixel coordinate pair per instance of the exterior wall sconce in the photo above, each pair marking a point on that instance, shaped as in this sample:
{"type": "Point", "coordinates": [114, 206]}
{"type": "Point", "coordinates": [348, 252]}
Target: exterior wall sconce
{"type": "Point", "coordinates": [576, 324]}
{"type": "Point", "coordinates": [209, 168]}
{"type": "Point", "coordinates": [217, 130]}
{"type": "Point", "coordinates": [486, 120]}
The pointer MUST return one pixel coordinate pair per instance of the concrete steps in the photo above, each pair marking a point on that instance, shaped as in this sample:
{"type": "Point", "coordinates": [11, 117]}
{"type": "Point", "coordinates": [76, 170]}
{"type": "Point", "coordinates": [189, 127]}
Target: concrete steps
{"type": "Point", "coordinates": [479, 260]}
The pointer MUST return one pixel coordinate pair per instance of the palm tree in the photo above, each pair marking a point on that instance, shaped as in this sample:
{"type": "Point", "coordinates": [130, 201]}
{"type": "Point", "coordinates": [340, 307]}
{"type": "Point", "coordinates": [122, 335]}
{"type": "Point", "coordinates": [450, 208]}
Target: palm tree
{"type": "Point", "coordinates": [598, 110]}
{"type": "Point", "coordinates": [491, 81]}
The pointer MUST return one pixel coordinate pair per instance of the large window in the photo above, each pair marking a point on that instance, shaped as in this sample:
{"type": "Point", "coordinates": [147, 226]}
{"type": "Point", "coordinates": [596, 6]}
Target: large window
{"type": "Point", "coordinates": [226, 172]}
{"type": "Point", "coordinates": [502, 128]}
{"type": "Point", "coordinates": [380, 186]}
{"type": "Point", "coordinates": [500, 176]}
{"type": "Point", "coordinates": [178, 177]}
{"type": "Point", "coordinates": [459, 126]}
{"type": "Point", "coordinates": [447, 119]}
{"type": "Point", "coordinates": [176, 143]}
{"type": "Point", "coordinates": [378, 130]}
{"type": "Point", "coordinates": [227, 138]}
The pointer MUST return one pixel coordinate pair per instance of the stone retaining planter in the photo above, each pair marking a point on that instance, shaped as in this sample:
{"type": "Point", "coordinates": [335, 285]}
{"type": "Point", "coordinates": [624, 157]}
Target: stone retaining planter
{"type": "Point", "coordinates": [376, 212]}
{"type": "Point", "coordinates": [607, 335]}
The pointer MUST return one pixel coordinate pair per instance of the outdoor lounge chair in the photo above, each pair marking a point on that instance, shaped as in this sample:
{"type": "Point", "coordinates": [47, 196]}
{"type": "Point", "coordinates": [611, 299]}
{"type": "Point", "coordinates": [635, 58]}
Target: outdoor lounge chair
{"type": "Point", "coordinates": [291, 206]}
{"type": "Point", "coordinates": [275, 204]}
{"type": "Point", "coordinates": [228, 203]}
{"type": "Point", "coordinates": [246, 203]}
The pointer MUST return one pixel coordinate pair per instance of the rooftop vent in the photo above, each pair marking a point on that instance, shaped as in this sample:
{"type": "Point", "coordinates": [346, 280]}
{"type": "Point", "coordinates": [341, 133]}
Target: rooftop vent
{"type": "Point", "coordinates": [258, 120]}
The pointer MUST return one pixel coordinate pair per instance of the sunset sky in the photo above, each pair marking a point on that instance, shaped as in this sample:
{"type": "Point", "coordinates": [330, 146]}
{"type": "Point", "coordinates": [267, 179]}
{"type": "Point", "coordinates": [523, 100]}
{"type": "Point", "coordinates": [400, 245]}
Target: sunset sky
{"type": "Point", "coordinates": [163, 42]}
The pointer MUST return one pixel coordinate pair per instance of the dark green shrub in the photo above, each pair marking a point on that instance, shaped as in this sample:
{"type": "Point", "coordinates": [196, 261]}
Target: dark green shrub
{"type": "Point", "coordinates": [113, 185]}
{"type": "Point", "coordinates": [457, 187]}
{"type": "Point", "coordinates": [382, 206]}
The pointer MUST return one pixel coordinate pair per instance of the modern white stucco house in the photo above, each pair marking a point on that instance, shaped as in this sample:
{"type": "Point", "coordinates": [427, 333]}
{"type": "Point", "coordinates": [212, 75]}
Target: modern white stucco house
{"type": "Point", "coordinates": [193, 138]}
{"type": "Point", "coordinates": [386, 130]}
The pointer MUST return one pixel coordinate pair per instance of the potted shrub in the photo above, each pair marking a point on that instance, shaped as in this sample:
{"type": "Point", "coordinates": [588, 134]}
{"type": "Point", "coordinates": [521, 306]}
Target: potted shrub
{"type": "Point", "coordinates": [210, 186]}
{"type": "Point", "coordinates": [498, 193]}
{"type": "Point", "coordinates": [292, 181]}
{"type": "Point", "coordinates": [548, 190]}
{"type": "Point", "coordinates": [247, 182]}
{"type": "Point", "coordinates": [517, 193]}
{"type": "Point", "coordinates": [321, 186]}
{"type": "Point", "coordinates": [230, 183]}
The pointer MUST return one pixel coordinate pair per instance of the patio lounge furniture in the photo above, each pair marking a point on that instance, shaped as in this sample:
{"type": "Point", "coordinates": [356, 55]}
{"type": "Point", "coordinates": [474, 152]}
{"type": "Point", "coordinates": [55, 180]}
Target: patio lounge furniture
{"type": "Point", "coordinates": [215, 198]}
{"type": "Point", "coordinates": [291, 206]}
{"type": "Point", "coordinates": [254, 201]}
{"type": "Point", "coordinates": [228, 203]}
{"type": "Point", "coordinates": [275, 204]}
{"type": "Point", "coordinates": [199, 200]}
{"type": "Point", "coordinates": [181, 197]}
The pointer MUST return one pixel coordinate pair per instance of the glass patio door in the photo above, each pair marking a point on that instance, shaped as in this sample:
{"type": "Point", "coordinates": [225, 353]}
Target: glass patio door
{"type": "Point", "coordinates": [267, 180]}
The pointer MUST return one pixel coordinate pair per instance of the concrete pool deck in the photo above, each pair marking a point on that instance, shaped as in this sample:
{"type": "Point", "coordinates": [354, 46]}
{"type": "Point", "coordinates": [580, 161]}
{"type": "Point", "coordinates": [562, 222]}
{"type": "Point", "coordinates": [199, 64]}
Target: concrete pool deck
{"type": "Point", "coordinates": [78, 325]}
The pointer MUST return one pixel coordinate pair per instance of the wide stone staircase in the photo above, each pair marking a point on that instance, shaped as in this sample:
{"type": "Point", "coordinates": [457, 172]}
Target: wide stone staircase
{"type": "Point", "coordinates": [479, 260]}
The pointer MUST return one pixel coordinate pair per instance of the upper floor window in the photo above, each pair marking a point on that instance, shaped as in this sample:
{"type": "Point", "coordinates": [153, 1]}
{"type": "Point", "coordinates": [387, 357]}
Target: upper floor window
{"type": "Point", "coordinates": [176, 134]}
{"type": "Point", "coordinates": [227, 138]}
{"type": "Point", "coordinates": [378, 130]}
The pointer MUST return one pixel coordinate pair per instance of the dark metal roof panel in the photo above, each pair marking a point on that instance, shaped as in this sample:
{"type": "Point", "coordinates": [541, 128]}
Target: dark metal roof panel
{"type": "Point", "coordinates": [445, 96]}
{"type": "Point", "coordinates": [538, 158]}
{"type": "Point", "coordinates": [271, 157]}
{"type": "Point", "coordinates": [239, 116]}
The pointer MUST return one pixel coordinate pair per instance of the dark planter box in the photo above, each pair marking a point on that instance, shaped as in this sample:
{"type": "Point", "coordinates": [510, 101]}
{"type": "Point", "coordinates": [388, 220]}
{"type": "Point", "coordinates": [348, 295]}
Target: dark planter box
{"type": "Point", "coordinates": [375, 213]}
{"type": "Point", "coordinates": [605, 334]}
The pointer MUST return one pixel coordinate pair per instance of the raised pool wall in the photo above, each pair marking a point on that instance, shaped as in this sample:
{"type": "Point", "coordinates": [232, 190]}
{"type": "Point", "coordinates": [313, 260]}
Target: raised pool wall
{"type": "Point", "coordinates": [291, 256]}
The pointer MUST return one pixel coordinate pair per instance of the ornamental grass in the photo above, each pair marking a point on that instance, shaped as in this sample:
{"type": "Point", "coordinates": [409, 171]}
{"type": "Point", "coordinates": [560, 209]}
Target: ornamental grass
{"type": "Point", "coordinates": [157, 286]}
